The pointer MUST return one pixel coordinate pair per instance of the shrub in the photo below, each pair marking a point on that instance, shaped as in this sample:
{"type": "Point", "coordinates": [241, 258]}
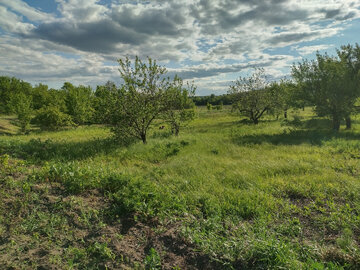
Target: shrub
{"type": "Point", "coordinates": [51, 118]}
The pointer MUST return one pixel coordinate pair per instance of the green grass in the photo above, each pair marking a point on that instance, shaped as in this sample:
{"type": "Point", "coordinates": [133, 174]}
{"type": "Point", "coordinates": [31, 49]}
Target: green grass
{"type": "Point", "coordinates": [223, 194]}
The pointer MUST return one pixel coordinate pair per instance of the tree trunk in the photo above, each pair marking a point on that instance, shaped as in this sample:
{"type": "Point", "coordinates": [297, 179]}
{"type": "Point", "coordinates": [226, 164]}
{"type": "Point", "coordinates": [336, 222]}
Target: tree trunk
{"type": "Point", "coordinates": [336, 123]}
{"type": "Point", "coordinates": [285, 114]}
{"type": "Point", "coordinates": [348, 122]}
{"type": "Point", "coordinates": [255, 120]}
{"type": "Point", "coordinates": [143, 138]}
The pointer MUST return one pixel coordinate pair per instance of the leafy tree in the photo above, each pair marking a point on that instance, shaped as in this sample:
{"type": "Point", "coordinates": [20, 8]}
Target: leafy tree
{"type": "Point", "coordinates": [78, 102]}
{"type": "Point", "coordinates": [141, 99]}
{"type": "Point", "coordinates": [9, 89]}
{"type": "Point", "coordinates": [281, 97]}
{"type": "Point", "coordinates": [180, 108]}
{"type": "Point", "coordinates": [57, 99]}
{"type": "Point", "coordinates": [41, 96]}
{"type": "Point", "coordinates": [21, 104]}
{"type": "Point", "coordinates": [104, 102]}
{"type": "Point", "coordinates": [327, 84]}
{"type": "Point", "coordinates": [350, 56]}
{"type": "Point", "coordinates": [250, 95]}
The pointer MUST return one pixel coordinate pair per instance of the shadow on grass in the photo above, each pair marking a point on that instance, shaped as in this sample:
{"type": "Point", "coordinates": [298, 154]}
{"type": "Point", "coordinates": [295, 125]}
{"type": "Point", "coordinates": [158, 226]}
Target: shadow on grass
{"type": "Point", "coordinates": [37, 150]}
{"type": "Point", "coordinates": [295, 137]}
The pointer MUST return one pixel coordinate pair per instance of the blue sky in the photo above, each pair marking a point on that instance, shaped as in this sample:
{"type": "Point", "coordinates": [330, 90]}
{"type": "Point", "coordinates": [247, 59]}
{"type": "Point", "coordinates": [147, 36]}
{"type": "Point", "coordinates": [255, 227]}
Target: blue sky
{"type": "Point", "coordinates": [210, 42]}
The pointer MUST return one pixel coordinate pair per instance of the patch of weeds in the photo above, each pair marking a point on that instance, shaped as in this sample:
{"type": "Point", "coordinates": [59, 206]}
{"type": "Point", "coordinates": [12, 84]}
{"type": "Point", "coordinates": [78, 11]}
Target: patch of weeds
{"type": "Point", "coordinates": [161, 134]}
{"type": "Point", "coordinates": [100, 251]}
{"type": "Point", "coordinates": [74, 178]}
{"type": "Point", "coordinates": [291, 228]}
{"type": "Point", "coordinates": [152, 260]}
{"type": "Point", "coordinates": [345, 241]}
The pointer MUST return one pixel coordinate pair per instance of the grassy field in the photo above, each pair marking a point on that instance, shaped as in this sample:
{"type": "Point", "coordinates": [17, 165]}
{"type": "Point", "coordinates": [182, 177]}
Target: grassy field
{"type": "Point", "coordinates": [224, 194]}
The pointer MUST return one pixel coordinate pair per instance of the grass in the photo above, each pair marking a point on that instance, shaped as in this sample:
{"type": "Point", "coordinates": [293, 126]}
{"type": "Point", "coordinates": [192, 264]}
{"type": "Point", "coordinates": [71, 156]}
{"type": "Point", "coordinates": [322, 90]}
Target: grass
{"type": "Point", "coordinates": [224, 194]}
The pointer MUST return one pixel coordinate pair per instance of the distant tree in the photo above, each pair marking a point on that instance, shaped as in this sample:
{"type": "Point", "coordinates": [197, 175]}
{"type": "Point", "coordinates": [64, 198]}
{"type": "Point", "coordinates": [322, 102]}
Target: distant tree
{"type": "Point", "coordinates": [250, 95]}
{"type": "Point", "coordinates": [78, 102]}
{"type": "Point", "coordinates": [327, 84]}
{"type": "Point", "coordinates": [179, 107]}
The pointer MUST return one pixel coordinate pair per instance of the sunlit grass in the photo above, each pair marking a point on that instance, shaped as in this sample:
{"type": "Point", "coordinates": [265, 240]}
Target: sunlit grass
{"type": "Point", "coordinates": [264, 196]}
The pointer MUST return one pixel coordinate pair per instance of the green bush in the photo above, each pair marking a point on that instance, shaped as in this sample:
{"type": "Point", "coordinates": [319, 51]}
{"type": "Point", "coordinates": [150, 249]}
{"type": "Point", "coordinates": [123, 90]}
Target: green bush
{"type": "Point", "coordinates": [51, 118]}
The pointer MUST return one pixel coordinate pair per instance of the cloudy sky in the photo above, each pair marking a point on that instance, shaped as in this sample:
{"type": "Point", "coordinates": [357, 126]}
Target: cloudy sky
{"type": "Point", "coordinates": [209, 41]}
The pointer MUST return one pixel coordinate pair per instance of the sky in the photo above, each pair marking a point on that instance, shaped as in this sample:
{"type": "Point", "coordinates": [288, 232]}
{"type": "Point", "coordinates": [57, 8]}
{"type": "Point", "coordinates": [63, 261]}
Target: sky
{"type": "Point", "coordinates": [210, 42]}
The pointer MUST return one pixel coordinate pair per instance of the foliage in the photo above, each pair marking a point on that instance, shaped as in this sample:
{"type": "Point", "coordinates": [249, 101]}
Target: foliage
{"type": "Point", "coordinates": [10, 89]}
{"type": "Point", "coordinates": [41, 96]}
{"type": "Point", "coordinates": [104, 103]}
{"type": "Point", "coordinates": [212, 99]}
{"type": "Point", "coordinates": [142, 98]}
{"type": "Point", "coordinates": [329, 85]}
{"type": "Point", "coordinates": [250, 95]}
{"type": "Point", "coordinates": [179, 107]}
{"type": "Point", "coordinates": [51, 118]}
{"type": "Point", "coordinates": [21, 104]}
{"type": "Point", "coordinates": [152, 260]}
{"type": "Point", "coordinates": [281, 97]}
{"type": "Point", "coordinates": [78, 103]}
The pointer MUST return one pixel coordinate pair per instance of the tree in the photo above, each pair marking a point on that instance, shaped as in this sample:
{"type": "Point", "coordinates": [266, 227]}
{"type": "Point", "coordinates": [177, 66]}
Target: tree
{"type": "Point", "coordinates": [350, 56]}
{"type": "Point", "coordinates": [104, 102]}
{"type": "Point", "coordinates": [21, 104]}
{"type": "Point", "coordinates": [327, 84]}
{"type": "Point", "coordinates": [281, 97]}
{"type": "Point", "coordinates": [180, 108]}
{"type": "Point", "coordinates": [141, 99]}
{"type": "Point", "coordinates": [250, 95]}
{"type": "Point", "coordinates": [78, 102]}
{"type": "Point", "coordinates": [10, 88]}
{"type": "Point", "coordinates": [40, 96]}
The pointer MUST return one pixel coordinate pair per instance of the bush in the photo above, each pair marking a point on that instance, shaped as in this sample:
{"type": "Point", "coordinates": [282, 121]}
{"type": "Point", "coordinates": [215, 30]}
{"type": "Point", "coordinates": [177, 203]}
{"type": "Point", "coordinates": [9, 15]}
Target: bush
{"type": "Point", "coordinates": [51, 118]}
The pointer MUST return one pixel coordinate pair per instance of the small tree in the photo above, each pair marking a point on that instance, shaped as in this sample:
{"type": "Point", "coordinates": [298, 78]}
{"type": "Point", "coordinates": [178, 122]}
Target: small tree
{"type": "Point", "coordinates": [179, 107]}
{"type": "Point", "coordinates": [281, 97]}
{"type": "Point", "coordinates": [141, 99]}
{"type": "Point", "coordinates": [250, 96]}
{"type": "Point", "coordinates": [21, 104]}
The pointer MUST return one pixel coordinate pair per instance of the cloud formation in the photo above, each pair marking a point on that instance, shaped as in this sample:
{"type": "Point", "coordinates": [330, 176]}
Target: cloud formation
{"type": "Point", "coordinates": [208, 40]}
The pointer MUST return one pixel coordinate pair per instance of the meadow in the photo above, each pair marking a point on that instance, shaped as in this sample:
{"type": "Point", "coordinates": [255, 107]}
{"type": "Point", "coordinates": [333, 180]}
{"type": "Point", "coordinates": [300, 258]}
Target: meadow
{"type": "Point", "coordinates": [224, 194]}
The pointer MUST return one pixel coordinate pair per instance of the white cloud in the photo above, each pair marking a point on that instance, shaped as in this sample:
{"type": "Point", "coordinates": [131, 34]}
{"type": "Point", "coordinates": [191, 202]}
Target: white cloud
{"type": "Point", "coordinates": [26, 10]}
{"type": "Point", "coordinates": [306, 50]}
